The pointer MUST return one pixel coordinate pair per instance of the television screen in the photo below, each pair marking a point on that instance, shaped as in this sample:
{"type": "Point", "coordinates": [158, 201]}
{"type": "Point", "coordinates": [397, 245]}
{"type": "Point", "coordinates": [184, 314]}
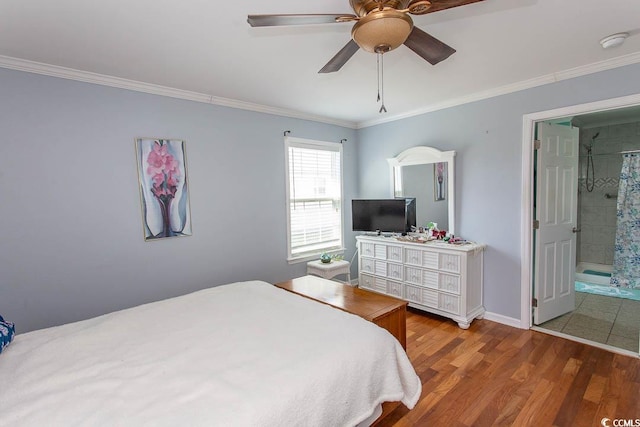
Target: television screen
{"type": "Point", "coordinates": [384, 215]}
{"type": "Point", "coordinates": [411, 213]}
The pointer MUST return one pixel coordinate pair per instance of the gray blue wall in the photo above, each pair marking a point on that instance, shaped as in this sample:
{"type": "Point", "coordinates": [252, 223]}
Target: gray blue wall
{"type": "Point", "coordinates": [71, 245]}
{"type": "Point", "coordinates": [487, 138]}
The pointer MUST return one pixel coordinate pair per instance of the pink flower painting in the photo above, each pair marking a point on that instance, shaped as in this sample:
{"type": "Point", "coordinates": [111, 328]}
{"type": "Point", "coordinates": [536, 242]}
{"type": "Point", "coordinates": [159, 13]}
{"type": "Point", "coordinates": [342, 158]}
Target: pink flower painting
{"type": "Point", "coordinates": [163, 188]}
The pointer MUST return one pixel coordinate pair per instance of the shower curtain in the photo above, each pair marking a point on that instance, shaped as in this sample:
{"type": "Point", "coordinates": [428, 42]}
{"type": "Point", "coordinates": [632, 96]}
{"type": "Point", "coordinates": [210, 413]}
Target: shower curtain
{"type": "Point", "coordinates": [626, 258]}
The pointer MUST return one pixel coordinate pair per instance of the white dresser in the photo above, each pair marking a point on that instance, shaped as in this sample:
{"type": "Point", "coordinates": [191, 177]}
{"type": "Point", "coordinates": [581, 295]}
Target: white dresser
{"type": "Point", "coordinates": [436, 277]}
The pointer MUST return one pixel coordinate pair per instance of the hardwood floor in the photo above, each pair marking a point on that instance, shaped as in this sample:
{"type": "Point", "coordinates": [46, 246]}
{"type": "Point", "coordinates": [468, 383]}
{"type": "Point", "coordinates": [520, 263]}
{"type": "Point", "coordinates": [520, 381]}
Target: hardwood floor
{"type": "Point", "coordinates": [492, 374]}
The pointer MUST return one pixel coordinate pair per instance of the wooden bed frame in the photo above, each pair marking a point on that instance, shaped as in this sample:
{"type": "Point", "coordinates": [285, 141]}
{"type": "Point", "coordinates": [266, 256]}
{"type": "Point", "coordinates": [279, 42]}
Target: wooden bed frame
{"type": "Point", "coordinates": [387, 312]}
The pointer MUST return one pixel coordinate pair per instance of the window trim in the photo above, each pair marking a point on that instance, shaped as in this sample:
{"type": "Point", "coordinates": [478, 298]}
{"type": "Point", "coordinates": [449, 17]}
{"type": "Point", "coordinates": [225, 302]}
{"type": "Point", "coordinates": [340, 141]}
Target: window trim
{"type": "Point", "coordinates": [290, 141]}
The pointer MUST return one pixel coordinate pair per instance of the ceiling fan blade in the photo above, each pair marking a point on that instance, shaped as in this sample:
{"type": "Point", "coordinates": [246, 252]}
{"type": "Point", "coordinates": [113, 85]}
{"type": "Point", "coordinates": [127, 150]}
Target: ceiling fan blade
{"type": "Point", "coordinates": [446, 4]}
{"type": "Point", "coordinates": [428, 47]}
{"type": "Point", "coordinates": [278, 20]}
{"type": "Point", "coordinates": [341, 58]}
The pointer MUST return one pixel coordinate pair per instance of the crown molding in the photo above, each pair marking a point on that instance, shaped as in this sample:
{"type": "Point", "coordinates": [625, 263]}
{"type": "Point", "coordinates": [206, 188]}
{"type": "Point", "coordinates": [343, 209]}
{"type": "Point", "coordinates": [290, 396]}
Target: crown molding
{"type": "Point", "coordinates": [117, 82]}
{"type": "Point", "coordinates": [595, 67]}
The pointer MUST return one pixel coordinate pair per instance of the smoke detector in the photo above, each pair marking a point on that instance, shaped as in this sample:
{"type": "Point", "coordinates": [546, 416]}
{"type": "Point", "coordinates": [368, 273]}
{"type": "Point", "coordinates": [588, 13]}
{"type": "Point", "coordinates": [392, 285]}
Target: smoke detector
{"type": "Point", "coordinates": [613, 40]}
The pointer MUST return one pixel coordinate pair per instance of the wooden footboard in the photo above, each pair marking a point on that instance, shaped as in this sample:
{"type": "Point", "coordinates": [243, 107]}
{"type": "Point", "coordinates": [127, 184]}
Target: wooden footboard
{"type": "Point", "coordinates": [387, 408]}
{"type": "Point", "coordinates": [387, 312]}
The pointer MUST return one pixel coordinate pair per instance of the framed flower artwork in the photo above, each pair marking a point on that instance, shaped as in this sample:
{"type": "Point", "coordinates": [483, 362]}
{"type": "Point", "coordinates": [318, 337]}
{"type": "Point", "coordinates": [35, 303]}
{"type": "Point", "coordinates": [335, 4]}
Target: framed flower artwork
{"type": "Point", "coordinates": [439, 180]}
{"type": "Point", "coordinates": [164, 193]}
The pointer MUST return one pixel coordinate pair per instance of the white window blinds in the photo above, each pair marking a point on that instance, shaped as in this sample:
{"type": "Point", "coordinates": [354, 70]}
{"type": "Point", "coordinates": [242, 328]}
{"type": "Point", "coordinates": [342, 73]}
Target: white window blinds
{"type": "Point", "coordinates": [314, 196]}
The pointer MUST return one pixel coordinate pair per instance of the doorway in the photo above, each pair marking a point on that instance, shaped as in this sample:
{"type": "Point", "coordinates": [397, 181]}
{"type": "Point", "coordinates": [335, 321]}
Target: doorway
{"type": "Point", "coordinates": [601, 313]}
{"type": "Point", "coordinates": [595, 317]}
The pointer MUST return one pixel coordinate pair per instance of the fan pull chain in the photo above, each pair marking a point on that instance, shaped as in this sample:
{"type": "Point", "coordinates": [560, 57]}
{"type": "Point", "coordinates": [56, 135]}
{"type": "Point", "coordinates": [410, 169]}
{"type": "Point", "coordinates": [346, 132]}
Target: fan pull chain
{"type": "Point", "coordinates": [383, 109]}
{"type": "Point", "coordinates": [378, 70]}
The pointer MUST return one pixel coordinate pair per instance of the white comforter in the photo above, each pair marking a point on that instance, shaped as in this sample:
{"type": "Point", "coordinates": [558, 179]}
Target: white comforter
{"type": "Point", "coordinates": [245, 354]}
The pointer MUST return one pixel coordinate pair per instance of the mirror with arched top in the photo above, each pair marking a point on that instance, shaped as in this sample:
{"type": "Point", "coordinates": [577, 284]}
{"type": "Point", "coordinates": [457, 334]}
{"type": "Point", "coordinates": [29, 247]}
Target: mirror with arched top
{"type": "Point", "coordinates": [427, 174]}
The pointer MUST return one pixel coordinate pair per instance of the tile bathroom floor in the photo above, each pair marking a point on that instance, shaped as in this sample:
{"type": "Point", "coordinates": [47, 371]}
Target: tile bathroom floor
{"type": "Point", "coordinates": [603, 319]}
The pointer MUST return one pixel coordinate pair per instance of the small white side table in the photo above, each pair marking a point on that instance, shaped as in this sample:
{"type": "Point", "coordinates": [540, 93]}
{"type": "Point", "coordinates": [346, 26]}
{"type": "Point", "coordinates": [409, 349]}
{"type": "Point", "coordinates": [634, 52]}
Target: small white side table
{"type": "Point", "coordinates": [330, 270]}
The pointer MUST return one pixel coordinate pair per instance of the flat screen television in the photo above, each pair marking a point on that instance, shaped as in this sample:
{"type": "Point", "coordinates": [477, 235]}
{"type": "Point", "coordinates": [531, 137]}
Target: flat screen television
{"type": "Point", "coordinates": [384, 215]}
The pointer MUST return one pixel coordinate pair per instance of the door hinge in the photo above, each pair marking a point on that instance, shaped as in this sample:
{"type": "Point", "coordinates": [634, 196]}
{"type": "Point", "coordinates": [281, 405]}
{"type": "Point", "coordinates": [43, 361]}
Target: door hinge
{"type": "Point", "coordinates": [536, 224]}
{"type": "Point", "coordinates": [534, 302]}
{"type": "Point", "coordinates": [536, 144]}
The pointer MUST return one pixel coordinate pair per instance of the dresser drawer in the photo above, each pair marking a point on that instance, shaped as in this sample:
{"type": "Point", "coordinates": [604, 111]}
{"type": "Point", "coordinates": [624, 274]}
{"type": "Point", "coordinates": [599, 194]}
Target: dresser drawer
{"type": "Point", "coordinates": [367, 249]}
{"type": "Point", "coordinates": [394, 271]}
{"type": "Point", "coordinates": [449, 283]}
{"type": "Point", "coordinates": [432, 279]}
{"type": "Point", "coordinates": [381, 268]}
{"type": "Point", "coordinates": [449, 262]}
{"type": "Point", "coordinates": [413, 293]}
{"type": "Point", "coordinates": [421, 295]}
{"type": "Point", "coordinates": [374, 283]}
{"type": "Point", "coordinates": [381, 285]}
{"type": "Point", "coordinates": [433, 260]}
{"type": "Point", "coordinates": [449, 303]}
{"type": "Point", "coordinates": [421, 258]}
{"type": "Point", "coordinates": [365, 281]}
{"type": "Point", "coordinates": [413, 275]}
{"type": "Point", "coordinates": [388, 252]}
{"type": "Point", "coordinates": [394, 253]}
{"type": "Point", "coordinates": [394, 288]}
{"type": "Point", "coordinates": [420, 277]}
{"type": "Point", "coordinates": [381, 251]}
{"type": "Point", "coordinates": [367, 265]}
{"type": "Point", "coordinates": [413, 256]}
{"type": "Point", "coordinates": [431, 298]}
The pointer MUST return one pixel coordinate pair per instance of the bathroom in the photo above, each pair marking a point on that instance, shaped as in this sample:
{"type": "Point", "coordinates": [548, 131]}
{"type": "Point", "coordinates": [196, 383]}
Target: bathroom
{"type": "Point", "coordinates": [604, 314]}
{"type": "Point", "coordinates": [599, 173]}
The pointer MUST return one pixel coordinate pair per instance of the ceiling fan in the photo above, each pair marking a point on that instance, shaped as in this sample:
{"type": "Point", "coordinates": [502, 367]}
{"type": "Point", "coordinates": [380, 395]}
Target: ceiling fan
{"type": "Point", "coordinates": [380, 26]}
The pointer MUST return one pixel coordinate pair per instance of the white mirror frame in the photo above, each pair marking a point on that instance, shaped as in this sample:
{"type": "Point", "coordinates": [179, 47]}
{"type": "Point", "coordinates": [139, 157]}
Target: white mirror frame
{"type": "Point", "coordinates": [426, 155]}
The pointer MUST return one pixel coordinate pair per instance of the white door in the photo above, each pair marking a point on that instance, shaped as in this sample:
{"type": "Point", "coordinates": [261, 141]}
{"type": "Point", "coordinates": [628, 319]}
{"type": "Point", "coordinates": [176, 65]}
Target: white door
{"type": "Point", "coordinates": [556, 211]}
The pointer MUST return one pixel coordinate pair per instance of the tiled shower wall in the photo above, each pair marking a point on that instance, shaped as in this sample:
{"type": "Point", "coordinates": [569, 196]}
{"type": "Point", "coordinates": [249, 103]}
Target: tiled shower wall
{"type": "Point", "coordinates": [597, 212]}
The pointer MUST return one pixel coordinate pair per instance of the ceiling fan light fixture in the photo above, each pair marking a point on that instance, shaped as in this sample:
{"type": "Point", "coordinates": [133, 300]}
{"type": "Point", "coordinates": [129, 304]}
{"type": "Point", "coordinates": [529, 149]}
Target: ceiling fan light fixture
{"type": "Point", "coordinates": [386, 29]}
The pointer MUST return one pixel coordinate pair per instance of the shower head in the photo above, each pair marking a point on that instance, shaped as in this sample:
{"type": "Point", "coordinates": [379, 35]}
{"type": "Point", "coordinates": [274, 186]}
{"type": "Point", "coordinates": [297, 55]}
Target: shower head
{"type": "Point", "coordinates": [589, 146]}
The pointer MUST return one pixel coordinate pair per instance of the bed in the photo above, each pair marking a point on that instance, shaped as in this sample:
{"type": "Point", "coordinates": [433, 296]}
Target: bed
{"type": "Point", "coordinates": [246, 354]}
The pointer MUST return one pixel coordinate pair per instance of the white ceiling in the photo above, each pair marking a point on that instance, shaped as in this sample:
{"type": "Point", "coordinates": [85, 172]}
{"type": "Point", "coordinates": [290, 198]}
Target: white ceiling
{"type": "Point", "coordinates": [208, 48]}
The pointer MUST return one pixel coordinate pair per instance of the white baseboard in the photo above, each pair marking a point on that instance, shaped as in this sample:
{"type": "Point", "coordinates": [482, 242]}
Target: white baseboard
{"type": "Point", "coordinates": [505, 320]}
{"type": "Point", "coordinates": [494, 317]}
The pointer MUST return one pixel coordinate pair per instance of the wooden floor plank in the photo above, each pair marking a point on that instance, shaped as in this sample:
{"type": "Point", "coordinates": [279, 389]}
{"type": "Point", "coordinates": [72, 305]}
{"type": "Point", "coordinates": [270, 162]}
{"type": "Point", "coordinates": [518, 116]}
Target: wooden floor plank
{"type": "Point", "coordinates": [627, 408]}
{"type": "Point", "coordinates": [611, 395]}
{"type": "Point", "coordinates": [495, 375]}
{"type": "Point", "coordinates": [530, 413]}
{"type": "Point", "coordinates": [551, 412]}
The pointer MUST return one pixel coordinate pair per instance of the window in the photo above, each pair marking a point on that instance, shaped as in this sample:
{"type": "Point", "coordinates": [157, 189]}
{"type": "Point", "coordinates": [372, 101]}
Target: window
{"type": "Point", "coordinates": [314, 197]}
